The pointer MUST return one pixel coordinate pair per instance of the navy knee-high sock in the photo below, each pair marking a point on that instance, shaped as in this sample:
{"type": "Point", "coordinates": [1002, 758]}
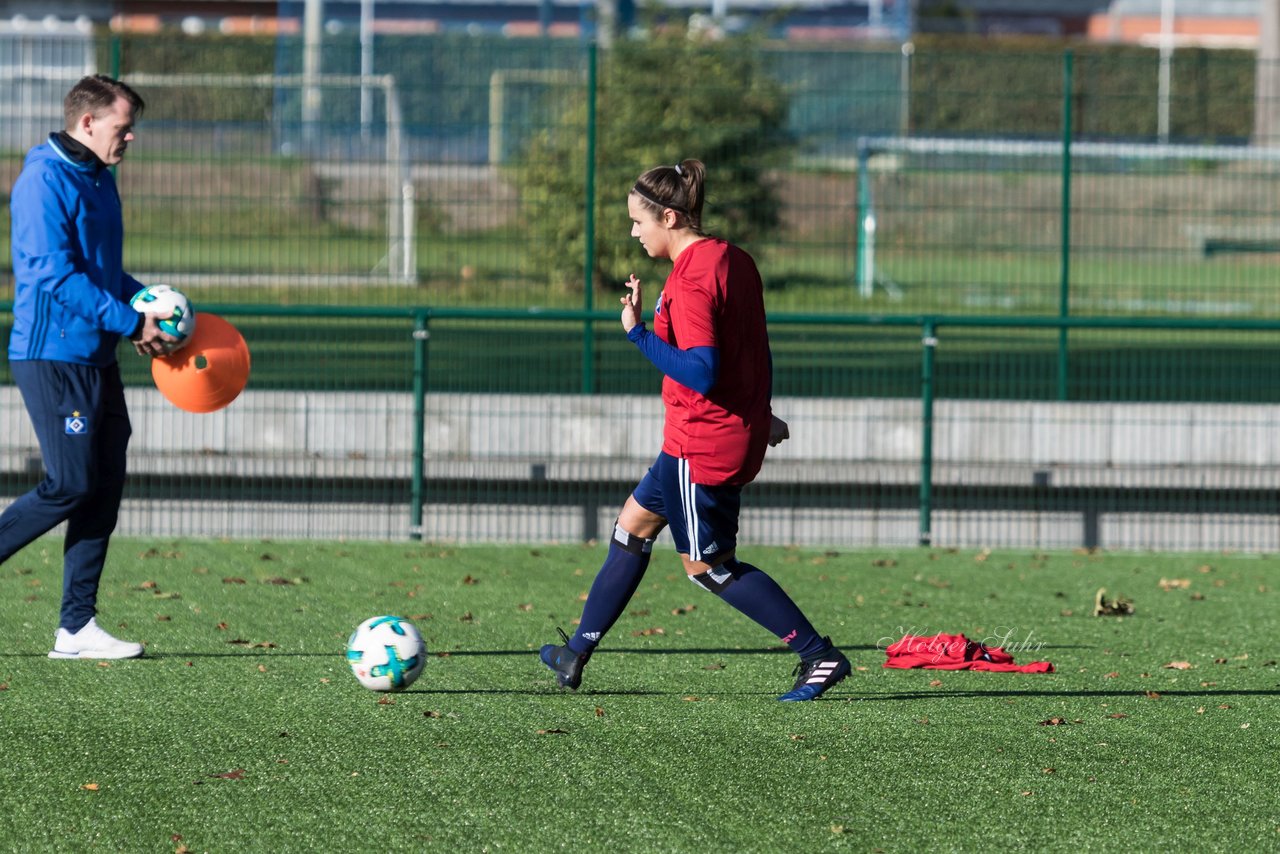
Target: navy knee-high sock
{"type": "Point", "coordinates": [755, 594]}
{"type": "Point", "coordinates": [615, 583]}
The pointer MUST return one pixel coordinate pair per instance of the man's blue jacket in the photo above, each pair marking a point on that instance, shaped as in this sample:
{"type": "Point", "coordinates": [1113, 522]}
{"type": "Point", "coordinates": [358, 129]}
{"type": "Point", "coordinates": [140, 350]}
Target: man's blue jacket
{"type": "Point", "coordinates": [71, 293]}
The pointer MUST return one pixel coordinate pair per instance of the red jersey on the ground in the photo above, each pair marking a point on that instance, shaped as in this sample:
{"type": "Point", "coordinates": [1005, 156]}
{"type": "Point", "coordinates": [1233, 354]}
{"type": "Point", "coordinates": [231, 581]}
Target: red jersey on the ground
{"type": "Point", "coordinates": [714, 298]}
{"type": "Point", "coordinates": [955, 652]}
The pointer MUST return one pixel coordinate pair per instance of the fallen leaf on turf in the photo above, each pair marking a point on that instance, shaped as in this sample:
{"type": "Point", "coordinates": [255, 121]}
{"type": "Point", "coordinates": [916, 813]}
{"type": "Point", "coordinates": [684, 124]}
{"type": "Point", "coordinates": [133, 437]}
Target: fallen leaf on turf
{"type": "Point", "coordinates": [159, 595]}
{"type": "Point", "coordinates": [222, 627]}
{"type": "Point", "coordinates": [1244, 726]}
{"type": "Point", "coordinates": [1112, 675]}
{"type": "Point", "coordinates": [1054, 722]}
{"type": "Point", "coordinates": [599, 712]}
{"type": "Point", "coordinates": [470, 580]}
{"type": "Point", "coordinates": [262, 668]}
{"type": "Point", "coordinates": [163, 618]}
{"type": "Point", "coordinates": [284, 581]}
{"type": "Point", "coordinates": [795, 736]}
{"type": "Point", "coordinates": [1178, 665]}
{"type": "Point", "coordinates": [1153, 695]}
{"type": "Point", "coordinates": [466, 618]}
{"type": "Point", "coordinates": [430, 714]}
{"type": "Point", "coordinates": [676, 612]}
{"type": "Point", "coordinates": [237, 774]}
{"type": "Point", "coordinates": [90, 787]}
{"type": "Point", "coordinates": [148, 585]}
{"type": "Point", "coordinates": [1175, 583]}
{"type": "Point", "coordinates": [691, 699]}
{"type": "Point", "coordinates": [233, 580]}
{"type": "Point", "coordinates": [4, 686]}
{"type": "Point", "coordinates": [644, 633]}
{"type": "Point", "coordinates": [1118, 716]}
{"type": "Point", "coordinates": [525, 606]}
{"type": "Point", "coordinates": [935, 683]}
{"type": "Point", "coordinates": [104, 663]}
{"type": "Point", "coordinates": [553, 732]}
{"type": "Point", "coordinates": [1117, 607]}
{"type": "Point", "coordinates": [384, 700]}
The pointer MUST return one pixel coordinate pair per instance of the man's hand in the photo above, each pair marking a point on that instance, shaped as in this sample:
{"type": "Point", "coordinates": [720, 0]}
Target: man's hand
{"type": "Point", "coordinates": [149, 340]}
{"type": "Point", "coordinates": [778, 432]}
{"type": "Point", "coordinates": [631, 305]}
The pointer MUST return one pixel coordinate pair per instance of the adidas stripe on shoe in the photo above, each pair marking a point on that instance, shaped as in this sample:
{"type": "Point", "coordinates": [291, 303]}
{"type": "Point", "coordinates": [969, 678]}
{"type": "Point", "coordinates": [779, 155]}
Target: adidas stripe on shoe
{"type": "Point", "coordinates": [816, 676]}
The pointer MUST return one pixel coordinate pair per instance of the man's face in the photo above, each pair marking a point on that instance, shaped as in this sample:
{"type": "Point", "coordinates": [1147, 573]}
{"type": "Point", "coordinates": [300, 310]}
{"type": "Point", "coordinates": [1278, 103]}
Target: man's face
{"type": "Point", "coordinates": [108, 134]}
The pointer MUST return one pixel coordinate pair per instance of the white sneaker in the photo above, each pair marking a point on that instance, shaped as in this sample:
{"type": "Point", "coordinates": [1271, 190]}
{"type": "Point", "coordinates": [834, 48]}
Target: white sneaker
{"type": "Point", "coordinates": [92, 642]}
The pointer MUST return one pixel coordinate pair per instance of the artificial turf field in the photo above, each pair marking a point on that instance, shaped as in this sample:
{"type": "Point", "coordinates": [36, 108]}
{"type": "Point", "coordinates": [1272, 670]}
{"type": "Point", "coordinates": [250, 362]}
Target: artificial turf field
{"type": "Point", "coordinates": [243, 730]}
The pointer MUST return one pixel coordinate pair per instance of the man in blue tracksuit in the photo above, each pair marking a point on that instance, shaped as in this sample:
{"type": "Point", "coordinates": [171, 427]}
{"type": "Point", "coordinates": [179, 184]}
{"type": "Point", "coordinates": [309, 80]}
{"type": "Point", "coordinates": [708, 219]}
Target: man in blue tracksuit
{"type": "Point", "coordinates": [71, 305]}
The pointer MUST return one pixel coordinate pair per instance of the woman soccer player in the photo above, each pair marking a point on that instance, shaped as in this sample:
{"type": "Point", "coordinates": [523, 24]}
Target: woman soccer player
{"type": "Point", "coordinates": [710, 341]}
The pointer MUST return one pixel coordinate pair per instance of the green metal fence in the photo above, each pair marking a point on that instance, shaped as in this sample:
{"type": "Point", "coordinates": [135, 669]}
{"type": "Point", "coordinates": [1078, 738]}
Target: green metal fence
{"type": "Point", "coordinates": [484, 424]}
{"type": "Point", "coordinates": [1016, 297]}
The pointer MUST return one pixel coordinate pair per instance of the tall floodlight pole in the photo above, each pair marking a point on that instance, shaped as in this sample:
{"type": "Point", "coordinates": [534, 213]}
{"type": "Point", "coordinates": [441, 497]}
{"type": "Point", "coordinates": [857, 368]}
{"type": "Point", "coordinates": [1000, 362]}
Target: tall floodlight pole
{"type": "Point", "coordinates": [312, 20]}
{"type": "Point", "coordinates": [1266, 106]}
{"type": "Point", "coordinates": [1166, 61]}
{"type": "Point", "coordinates": [366, 66]}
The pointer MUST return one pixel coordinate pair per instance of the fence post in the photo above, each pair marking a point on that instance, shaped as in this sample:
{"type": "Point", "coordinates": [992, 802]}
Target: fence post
{"type": "Point", "coordinates": [929, 341]}
{"type": "Point", "coordinates": [1064, 269]}
{"type": "Point", "coordinates": [421, 335]}
{"type": "Point", "coordinates": [589, 262]}
{"type": "Point", "coordinates": [864, 261]}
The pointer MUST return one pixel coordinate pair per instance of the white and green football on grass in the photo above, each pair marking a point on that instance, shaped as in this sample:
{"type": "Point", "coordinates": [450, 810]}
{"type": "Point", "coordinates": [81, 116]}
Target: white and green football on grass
{"type": "Point", "coordinates": [386, 653]}
{"type": "Point", "coordinates": [168, 300]}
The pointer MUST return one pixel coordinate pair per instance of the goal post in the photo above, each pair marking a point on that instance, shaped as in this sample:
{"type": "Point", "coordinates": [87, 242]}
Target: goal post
{"type": "Point", "coordinates": [400, 260]}
{"type": "Point", "coordinates": [1002, 195]}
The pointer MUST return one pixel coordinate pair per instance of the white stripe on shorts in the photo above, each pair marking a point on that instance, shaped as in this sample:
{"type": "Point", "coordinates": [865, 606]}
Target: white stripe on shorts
{"type": "Point", "coordinates": [688, 497]}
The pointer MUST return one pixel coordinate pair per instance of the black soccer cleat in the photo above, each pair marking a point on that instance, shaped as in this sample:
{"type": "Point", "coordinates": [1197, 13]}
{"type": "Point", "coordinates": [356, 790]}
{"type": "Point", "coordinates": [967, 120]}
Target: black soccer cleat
{"type": "Point", "coordinates": [817, 675]}
{"type": "Point", "coordinates": [566, 663]}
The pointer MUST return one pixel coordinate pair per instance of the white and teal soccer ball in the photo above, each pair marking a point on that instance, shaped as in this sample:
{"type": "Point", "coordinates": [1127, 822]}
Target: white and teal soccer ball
{"type": "Point", "coordinates": [164, 299]}
{"type": "Point", "coordinates": [386, 653]}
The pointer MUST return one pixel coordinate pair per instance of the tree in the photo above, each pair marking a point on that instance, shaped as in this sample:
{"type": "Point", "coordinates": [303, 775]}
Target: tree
{"type": "Point", "coordinates": [671, 96]}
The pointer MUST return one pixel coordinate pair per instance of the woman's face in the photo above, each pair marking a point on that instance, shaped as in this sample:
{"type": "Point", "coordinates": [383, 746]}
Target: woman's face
{"type": "Point", "coordinates": [653, 233]}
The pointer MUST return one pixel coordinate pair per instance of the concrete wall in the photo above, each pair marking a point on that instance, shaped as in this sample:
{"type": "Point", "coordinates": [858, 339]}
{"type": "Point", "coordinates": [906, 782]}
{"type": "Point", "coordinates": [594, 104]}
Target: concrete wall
{"type": "Point", "coordinates": [613, 438]}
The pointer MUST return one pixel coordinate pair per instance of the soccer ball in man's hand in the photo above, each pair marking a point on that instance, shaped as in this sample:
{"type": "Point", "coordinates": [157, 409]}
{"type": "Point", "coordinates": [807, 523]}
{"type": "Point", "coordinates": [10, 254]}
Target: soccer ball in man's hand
{"type": "Point", "coordinates": [386, 653]}
{"type": "Point", "coordinates": [167, 300]}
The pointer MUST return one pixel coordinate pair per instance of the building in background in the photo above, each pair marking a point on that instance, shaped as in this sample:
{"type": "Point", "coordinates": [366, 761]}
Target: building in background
{"type": "Point", "coordinates": [1209, 23]}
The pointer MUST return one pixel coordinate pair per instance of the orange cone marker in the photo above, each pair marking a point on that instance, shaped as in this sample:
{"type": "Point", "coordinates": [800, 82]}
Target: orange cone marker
{"type": "Point", "coordinates": [209, 372]}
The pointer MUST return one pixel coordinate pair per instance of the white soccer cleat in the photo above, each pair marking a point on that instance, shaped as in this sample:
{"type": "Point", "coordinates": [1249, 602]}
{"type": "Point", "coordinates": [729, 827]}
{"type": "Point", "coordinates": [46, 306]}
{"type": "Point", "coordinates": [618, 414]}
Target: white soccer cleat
{"type": "Point", "coordinates": [92, 642]}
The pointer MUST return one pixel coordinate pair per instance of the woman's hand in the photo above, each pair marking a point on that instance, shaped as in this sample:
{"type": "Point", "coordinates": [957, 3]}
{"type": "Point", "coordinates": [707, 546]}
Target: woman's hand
{"type": "Point", "coordinates": [778, 431]}
{"type": "Point", "coordinates": [631, 305]}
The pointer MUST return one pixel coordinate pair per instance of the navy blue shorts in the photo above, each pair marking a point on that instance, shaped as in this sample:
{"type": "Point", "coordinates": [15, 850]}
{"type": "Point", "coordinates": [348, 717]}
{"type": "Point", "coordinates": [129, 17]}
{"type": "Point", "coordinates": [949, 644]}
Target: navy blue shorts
{"type": "Point", "coordinates": [703, 520]}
